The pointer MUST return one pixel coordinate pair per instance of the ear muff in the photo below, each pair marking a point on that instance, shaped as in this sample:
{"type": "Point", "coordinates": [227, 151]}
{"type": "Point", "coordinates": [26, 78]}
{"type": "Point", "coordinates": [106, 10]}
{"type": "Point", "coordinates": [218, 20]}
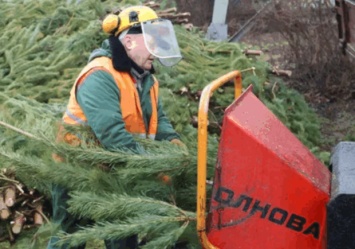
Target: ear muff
{"type": "Point", "coordinates": [111, 23]}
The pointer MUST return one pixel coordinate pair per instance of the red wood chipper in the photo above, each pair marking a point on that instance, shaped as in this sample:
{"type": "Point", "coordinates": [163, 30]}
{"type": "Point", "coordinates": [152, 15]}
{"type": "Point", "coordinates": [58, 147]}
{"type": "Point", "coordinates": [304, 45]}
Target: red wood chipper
{"type": "Point", "coordinates": [269, 191]}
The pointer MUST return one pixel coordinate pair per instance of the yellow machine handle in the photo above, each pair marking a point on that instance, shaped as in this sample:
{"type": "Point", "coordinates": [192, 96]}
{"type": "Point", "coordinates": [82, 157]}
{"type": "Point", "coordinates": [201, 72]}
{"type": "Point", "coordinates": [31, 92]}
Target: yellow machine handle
{"type": "Point", "coordinates": [202, 149]}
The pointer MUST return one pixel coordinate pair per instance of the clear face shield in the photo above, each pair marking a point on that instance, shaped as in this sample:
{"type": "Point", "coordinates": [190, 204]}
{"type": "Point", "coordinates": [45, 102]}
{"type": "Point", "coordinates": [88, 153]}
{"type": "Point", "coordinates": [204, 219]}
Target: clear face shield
{"type": "Point", "coordinates": [160, 40]}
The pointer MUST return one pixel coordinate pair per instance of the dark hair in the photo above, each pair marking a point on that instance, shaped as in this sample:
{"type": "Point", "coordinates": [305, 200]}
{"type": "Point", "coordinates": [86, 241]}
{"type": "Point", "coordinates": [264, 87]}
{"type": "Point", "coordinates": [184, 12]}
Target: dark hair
{"type": "Point", "coordinates": [135, 30]}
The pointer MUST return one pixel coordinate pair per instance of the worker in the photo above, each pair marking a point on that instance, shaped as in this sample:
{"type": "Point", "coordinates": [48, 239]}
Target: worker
{"type": "Point", "coordinates": [116, 95]}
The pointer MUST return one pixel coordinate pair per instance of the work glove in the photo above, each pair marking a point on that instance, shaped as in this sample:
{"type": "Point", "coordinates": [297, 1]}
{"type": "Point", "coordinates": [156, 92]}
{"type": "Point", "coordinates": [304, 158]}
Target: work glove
{"type": "Point", "coordinates": [177, 142]}
{"type": "Point", "coordinates": [57, 158]}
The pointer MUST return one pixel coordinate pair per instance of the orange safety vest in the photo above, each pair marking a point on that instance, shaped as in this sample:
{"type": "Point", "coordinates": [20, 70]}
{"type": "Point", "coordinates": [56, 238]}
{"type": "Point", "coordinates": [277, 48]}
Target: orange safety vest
{"type": "Point", "coordinates": [129, 101]}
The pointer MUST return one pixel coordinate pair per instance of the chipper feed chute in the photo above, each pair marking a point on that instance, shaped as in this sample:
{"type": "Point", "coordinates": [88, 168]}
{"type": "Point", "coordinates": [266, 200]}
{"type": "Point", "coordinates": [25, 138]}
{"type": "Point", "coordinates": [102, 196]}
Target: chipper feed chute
{"type": "Point", "coordinates": [269, 191]}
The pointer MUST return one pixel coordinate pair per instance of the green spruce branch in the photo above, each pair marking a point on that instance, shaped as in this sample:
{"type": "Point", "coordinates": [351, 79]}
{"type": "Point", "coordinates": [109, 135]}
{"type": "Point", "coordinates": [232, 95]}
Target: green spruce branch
{"type": "Point", "coordinates": [152, 227]}
{"type": "Point", "coordinates": [120, 206]}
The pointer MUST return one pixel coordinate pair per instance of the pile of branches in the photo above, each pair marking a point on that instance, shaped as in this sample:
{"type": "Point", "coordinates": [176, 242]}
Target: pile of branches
{"type": "Point", "coordinates": [21, 208]}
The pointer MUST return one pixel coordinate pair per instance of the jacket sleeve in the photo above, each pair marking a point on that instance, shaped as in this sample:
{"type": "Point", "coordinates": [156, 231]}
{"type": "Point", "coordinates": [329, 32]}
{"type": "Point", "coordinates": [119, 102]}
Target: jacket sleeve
{"type": "Point", "coordinates": [99, 98]}
{"type": "Point", "coordinates": [165, 129]}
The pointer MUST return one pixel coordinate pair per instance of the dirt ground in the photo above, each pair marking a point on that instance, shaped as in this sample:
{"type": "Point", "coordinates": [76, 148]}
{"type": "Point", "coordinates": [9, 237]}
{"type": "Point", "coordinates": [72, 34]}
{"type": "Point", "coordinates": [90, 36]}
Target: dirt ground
{"type": "Point", "coordinates": [336, 113]}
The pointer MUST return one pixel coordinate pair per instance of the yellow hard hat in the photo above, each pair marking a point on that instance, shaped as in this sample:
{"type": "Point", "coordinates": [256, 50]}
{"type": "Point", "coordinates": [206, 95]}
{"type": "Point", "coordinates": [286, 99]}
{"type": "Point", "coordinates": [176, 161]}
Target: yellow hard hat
{"type": "Point", "coordinates": [115, 24]}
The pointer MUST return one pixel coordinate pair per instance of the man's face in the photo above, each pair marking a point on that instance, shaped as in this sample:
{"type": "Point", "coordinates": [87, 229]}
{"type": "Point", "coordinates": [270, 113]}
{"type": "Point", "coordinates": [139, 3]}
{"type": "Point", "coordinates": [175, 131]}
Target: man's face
{"type": "Point", "coordinates": [137, 51]}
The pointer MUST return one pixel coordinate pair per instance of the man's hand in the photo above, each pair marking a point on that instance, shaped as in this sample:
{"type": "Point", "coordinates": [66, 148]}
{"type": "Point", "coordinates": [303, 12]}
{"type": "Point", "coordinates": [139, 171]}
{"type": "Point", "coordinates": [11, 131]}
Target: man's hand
{"type": "Point", "coordinates": [178, 142]}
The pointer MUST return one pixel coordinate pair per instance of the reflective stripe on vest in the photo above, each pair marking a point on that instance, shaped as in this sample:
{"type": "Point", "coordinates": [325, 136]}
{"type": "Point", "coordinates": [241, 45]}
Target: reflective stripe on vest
{"type": "Point", "coordinates": [75, 118]}
{"type": "Point", "coordinates": [129, 100]}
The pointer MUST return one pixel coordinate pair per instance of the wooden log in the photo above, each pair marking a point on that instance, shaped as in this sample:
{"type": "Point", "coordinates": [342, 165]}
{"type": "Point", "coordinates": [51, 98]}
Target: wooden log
{"type": "Point", "coordinates": [38, 208]}
{"type": "Point", "coordinates": [181, 21]}
{"type": "Point", "coordinates": [18, 223]}
{"type": "Point", "coordinates": [10, 196]}
{"type": "Point", "coordinates": [175, 16]}
{"type": "Point", "coordinates": [152, 4]}
{"type": "Point", "coordinates": [20, 188]}
{"type": "Point", "coordinates": [281, 72]}
{"type": "Point", "coordinates": [166, 11]}
{"type": "Point", "coordinates": [4, 210]}
{"type": "Point", "coordinates": [2, 203]}
{"type": "Point", "coordinates": [252, 52]}
{"type": "Point", "coordinates": [5, 214]}
{"type": "Point", "coordinates": [37, 217]}
{"type": "Point", "coordinates": [183, 14]}
{"type": "Point", "coordinates": [38, 199]}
